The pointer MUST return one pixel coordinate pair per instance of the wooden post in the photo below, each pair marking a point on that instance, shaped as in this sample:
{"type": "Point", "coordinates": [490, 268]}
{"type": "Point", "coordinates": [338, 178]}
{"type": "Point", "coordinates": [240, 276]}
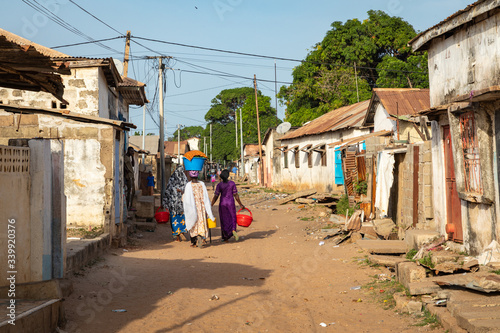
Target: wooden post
{"type": "Point", "coordinates": [127, 51]}
{"type": "Point", "coordinates": [258, 131]}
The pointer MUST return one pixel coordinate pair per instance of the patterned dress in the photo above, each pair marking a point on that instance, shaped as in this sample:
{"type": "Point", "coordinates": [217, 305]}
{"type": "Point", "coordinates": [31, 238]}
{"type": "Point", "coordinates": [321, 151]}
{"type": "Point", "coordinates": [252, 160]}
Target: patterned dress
{"type": "Point", "coordinates": [200, 228]}
{"type": "Point", "coordinates": [173, 200]}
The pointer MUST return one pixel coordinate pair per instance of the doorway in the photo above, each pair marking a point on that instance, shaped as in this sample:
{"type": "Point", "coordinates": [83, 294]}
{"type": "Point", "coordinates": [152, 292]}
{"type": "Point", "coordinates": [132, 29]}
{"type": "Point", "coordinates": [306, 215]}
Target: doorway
{"type": "Point", "coordinates": [453, 206]}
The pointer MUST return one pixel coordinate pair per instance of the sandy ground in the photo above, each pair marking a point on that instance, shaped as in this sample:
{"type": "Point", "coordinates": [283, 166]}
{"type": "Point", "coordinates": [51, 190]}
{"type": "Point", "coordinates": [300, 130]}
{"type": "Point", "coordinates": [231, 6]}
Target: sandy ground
{"type": "Point", "coordinates": [277, 278]}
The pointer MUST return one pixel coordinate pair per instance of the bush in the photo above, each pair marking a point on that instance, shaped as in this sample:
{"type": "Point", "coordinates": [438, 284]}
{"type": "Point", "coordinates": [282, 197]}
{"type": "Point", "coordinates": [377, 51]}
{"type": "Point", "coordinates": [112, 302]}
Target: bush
{"type": "Point", "coordinates": [343, 206]}
{"type": "Point", "coordinates": [361, 187]}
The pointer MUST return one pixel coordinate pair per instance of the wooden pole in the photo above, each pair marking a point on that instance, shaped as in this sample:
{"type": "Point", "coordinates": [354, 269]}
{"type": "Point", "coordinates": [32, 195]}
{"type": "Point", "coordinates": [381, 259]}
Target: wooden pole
{"type": "Point", "coordinates": [162, 134]}
{"type": "Point", "coordinates": [258, 130]}
{"type": "Point", "coordinates": [127, 51]}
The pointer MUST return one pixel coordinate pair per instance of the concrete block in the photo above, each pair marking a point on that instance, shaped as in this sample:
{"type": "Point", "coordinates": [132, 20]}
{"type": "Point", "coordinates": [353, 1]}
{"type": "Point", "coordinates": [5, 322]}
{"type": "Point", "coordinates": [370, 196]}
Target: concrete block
{"type": "Point", "coordinates": [388, 261]}
{"type": "Point", "coordinates": [479, 321]}
{"type": "Point", "coordinates": [414, 307]}
{"type": "Point", "coordinates": [145, 206]}
{"type": "Point", "coordinates": [384, 227]}
{"type": "Point", "coordinates": [423, 288]}
{"type": "Point", "coordinates": [408, 272]}
{"type": "Point", "coordinates": [384, 246]}
{"type": "Point", "coordinates": [446, 320]}
{"type": "Point", "coordinates": [401, 301]}
{"type": "Point", "coordinates": [427, 168]}
{"type": "Point", "coordinates": [416, 238]}
{"type": "Point", "coordinates": [427, 191]}
{"type": "Point", "coordinates": [427, 157]}
{"type": "Point", "coordinates": [7, 121]}
{"type": "Point", "coordinates": [428, 201]}
{"type": "Point", "coordinates": [429, 212]}
{"type": "Point", "coordinates": [78, 83]}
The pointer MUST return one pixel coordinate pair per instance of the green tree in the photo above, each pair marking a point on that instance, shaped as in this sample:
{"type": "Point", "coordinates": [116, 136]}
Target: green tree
{"type": "Point", "coordinates": [222, 117]}
{"type": "Point", "coordinates": [188, 132]}
{"type": "Point", "coordinates": [367, 53]}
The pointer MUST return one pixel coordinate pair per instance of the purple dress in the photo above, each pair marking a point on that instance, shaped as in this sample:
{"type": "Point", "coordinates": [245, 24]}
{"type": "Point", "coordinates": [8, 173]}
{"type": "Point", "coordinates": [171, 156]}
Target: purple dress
{"type": "Point", "coordinates": [227, 208]}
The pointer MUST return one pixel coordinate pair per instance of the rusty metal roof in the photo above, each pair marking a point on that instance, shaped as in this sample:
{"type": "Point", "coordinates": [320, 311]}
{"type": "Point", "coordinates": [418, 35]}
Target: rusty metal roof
{"type": "Point", "coordinates": [454, 21]}
{"type": "Point", "coordinates": [343, 118]}
{"type": "Point", "coordinates": [133, 91]}
{"type": "Point", "coordinates": [403, 101]}
{"type": "Point", "coordinates": [46, 51]}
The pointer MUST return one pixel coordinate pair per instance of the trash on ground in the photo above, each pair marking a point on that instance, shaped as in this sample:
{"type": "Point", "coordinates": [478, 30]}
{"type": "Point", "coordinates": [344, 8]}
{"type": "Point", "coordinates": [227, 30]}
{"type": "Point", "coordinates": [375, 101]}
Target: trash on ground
{"type": "Point", "coordinates": [321, 243]}
{"type": "Point", "coordinates": [214, 298]}
{"type": "Point", "coordinates": [323, 325]}
{"type": "Point", "coordinates": [356, 288]}
{"type": "Point", "coordinates": [119, 310]}
{"type": "Point", "coordinates": [125, 250]}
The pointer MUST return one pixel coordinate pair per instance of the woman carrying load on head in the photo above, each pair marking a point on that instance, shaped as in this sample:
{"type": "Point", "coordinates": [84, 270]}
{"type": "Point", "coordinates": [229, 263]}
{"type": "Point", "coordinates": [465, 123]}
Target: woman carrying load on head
{"type": "Point", "coordinates": [227, 209]}
{"type": "Point", "coordinates": [196, 208]}
{"type": "Point", "coordinates": [173, 201]}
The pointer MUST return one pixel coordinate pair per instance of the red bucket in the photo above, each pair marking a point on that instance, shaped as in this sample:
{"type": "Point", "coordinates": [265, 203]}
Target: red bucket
{"type": "Point", "coordinates": [162, 217]}
{"type": "Point", "coordinates": [244, 220]}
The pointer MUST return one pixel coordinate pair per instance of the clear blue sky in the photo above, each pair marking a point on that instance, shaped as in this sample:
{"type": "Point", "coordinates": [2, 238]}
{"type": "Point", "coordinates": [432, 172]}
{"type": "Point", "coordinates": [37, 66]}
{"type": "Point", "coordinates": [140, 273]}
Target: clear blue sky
{"type": "Point", "coordinates": [276, 28]}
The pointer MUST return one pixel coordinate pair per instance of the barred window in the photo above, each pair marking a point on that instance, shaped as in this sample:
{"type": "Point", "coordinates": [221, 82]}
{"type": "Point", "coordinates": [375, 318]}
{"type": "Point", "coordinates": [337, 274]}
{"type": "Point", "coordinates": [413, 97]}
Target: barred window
{"type": "Point", "coordinates": [472, 168]}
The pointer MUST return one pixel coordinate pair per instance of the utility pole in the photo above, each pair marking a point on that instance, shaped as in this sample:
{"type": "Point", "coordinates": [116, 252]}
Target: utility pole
{"type": "Point", "coordinates": [162, 134]}
{"type": "Point", "coordinates": [275, 87]}
{"type": "Point", "coordinates": [356, 77]}
{"type": "Point", "coordinates": [143, 131]}
{"type": "Point", "coordinates": [241, 144]}
{"type": "Point", "coordinates": [127, 51]}
{"type": "Point", "coordinates": [210, 143]}
{"type": "Point", "coordinates": [258, 131]}
{"type": "Point", "coordinates": [205, 145]}
{"type": "Point", "coordinates": [179, 143]}
{"type": "Point", "coordinates": [236, 126]}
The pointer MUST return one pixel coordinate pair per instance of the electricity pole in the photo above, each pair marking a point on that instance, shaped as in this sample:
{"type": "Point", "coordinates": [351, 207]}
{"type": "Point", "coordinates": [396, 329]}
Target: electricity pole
{"type": "Point", "coordinates": [210, 143]}
{"type": "Point", "coordinates": [179, 144]}
{"type": "Point", "coordinates": [127, 51]}
{"type": "Point", "coordinates": [162, 134]}
{"type": "Point", "coordinates": [143, 131]}
{"type": "Point", "coordinates": [258, 131]}
{"type": "Point", "coordinates": [241, 144]}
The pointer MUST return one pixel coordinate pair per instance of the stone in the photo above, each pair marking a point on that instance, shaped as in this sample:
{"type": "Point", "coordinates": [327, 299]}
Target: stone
{"type": "Point", "coordinates": [384, 246]}
{"type": "Point", "coordinates": [408, 272]}
{"type": "Point", "coordinates": [78, 83]}
{"type": "Point", "coordinates": [422, 288]}
{"type": "Point", "coordinates": [384, 227]}
{"type": "Point", "coordinates": [304, 201]}
{"type": "Point", "coordinates": [388, 261]}
{"type": "Point", "coordinates": [356, 236]}
{"type": "Point", "coordinates": [401, 301]}
{"type": "Point", "coordinates": [416, 238]}
{"type": "Point", "coordinates": [414, 307]}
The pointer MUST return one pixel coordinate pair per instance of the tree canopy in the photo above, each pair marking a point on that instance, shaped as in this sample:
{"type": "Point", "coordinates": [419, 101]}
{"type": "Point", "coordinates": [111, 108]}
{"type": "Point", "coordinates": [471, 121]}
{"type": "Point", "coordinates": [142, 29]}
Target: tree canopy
{"type": "Point", "coordinates": [362, 54]}
{"type": "Point", "coordinates": [222, 115]}
{"type": "Point", "coordinates": [188, 132]}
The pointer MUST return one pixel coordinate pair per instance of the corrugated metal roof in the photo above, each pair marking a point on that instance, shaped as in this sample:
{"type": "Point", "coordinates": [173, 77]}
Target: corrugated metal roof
{"type": "Point", "coordinates": [403, 101]}
{"type": "Point", "coordinates": [345, 117]}
{"type": "Point", "coordinates": [151, 142]}
{"type": "Point", "coordinates": [48, 52]}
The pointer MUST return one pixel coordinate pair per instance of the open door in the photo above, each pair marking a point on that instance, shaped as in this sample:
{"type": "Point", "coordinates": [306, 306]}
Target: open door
{"type": "Point", "coordinates": [453, 206]}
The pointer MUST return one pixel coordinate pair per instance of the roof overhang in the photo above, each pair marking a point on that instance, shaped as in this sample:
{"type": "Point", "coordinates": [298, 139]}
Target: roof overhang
{"type": "Point", "coordinates": [356, 140]}
{"type": "Point", "coordinates": [133, 91]}
{"type": "Point", "coordinates": [113, 77]}
{"type": "Point", "coordinates": [24, 67]}
{"type": "Point", "coordinates": [475, 12]}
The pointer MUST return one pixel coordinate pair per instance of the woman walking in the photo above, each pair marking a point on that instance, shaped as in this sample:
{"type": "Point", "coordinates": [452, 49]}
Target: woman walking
{"type": "Point", "coordinates": [227, 209]}
{"type": "Point", "coordinates": [173, 201]}
{"type": "Point", "coordinates": [196, 208]}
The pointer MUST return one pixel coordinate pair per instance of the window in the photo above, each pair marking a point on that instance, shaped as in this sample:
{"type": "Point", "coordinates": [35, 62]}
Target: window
{"type": "Point", "coordinates": [297, 159]}
{"type": "Point", "coordinates": [323, 156]}
{"type": "Point", "coordinates": [472, 169]}
{"type": "Point", "coordinates": [285, 159]}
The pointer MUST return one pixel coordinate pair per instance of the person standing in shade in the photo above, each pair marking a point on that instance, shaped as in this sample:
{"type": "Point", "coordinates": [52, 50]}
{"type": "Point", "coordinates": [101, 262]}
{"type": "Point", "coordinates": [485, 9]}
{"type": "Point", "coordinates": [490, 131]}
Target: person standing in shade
{"type": "Point", "coordinates": [151, 183]}
{"type": "Point", "coordinates": [196, 208]}
{"type": "Point", "coordinates": [173, 201]}
{"type": "Point", "coordinates": [129, 176]}
{"type": "Point", "coordinates": [227, 209]}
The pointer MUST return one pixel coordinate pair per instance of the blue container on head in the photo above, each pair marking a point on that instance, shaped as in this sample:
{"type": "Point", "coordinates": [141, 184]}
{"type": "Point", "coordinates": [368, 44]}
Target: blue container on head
{"type": "Point", "coordinates": [196, 164]}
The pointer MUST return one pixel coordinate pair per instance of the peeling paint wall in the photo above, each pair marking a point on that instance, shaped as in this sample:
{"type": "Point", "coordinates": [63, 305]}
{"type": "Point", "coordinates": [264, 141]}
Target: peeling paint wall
{"type": "Point", "coordinates": [467, 60]}
{"type": "Point", "coordinates": [84, 182]}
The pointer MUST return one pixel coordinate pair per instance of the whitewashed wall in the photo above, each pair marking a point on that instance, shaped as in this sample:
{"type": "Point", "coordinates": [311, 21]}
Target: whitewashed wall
{"type": "Point", "coordinates": [321, 178]}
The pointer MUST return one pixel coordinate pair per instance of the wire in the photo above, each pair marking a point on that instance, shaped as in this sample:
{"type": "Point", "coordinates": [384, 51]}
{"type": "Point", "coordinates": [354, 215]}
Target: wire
{"type": "Point", "coordinates": [74, 3]}
{"type": "Point", "coordinates": [260, 55]}
{"type": "Point", "coordinates": [231, 75]}
{"type": "Point", "coordinates": [89, 42]}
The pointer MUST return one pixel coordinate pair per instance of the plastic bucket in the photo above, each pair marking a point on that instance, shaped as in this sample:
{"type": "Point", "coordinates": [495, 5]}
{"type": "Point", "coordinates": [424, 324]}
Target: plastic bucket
{"type": "Point", "coordinates": [196, 164]}
{"type": "Point", "coordinates": [211, 223]}
{"type": "Point", "coordinates": [244, 220]}
{"type": "Point", "coordinates": [162, 217]}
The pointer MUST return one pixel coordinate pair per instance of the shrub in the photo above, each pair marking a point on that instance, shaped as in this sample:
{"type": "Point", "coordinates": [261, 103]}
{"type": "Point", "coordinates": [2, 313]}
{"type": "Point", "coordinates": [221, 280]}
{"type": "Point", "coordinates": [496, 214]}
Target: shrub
{"type": "Point", "coordinates": [361, 187]}
{"type": "Point", "coordinates": [343, 206]}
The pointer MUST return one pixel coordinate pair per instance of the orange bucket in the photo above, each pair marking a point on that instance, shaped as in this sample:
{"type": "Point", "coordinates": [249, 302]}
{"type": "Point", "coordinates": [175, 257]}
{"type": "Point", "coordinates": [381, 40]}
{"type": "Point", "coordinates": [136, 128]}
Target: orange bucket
{"type": "Point", "coordinates": [162, 217]}
{"type": "Point", "coordinates": [244, 220]}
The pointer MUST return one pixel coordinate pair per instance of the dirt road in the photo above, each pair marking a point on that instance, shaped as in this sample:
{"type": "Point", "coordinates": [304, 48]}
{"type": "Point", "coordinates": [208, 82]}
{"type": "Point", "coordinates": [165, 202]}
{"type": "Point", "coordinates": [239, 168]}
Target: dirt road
{"type": "Point", "coordinates": [277, 278]}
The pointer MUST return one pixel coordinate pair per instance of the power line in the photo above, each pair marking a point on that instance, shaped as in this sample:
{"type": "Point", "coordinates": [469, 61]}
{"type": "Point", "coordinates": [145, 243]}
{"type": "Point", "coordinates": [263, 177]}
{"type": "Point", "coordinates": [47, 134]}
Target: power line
{"type": "Point", "coordinates": [89, 42]}
{"type": "Point", "coordinates": [74, 3]}
{"type": "Point", "coordinates": [260, 55]}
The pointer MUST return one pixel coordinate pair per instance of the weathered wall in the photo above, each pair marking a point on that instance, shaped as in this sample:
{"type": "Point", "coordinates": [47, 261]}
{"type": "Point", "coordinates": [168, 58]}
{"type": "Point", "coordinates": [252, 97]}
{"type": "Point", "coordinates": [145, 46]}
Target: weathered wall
{"type": "Point", "coordinates": [89, 173]}
{"type": "Point", "coordinates": [84, 182]}
{"type": "Point", "coordinates": [81, 91]}
{"type": "Point", "coordinates": [438, 174]}
{"type": "Point", "coordinates": [321, 178]}
{"type": "Point", "coordinates": [14, 196]}
{"type": "Point", "coordinates": [425, 188]}
{"type": "Point", "coordinates": [373, 146]}
{"type": "Point", "coordinates": [467, 60]}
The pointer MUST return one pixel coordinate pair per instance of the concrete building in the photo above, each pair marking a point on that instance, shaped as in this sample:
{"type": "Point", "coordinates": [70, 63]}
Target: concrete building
{"type": "Point", "coordinates": [307, 162]}
{"type": "Point", "coordinates": [91, 120]}
{"type": "Point", "coordinates": [464, 56]}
